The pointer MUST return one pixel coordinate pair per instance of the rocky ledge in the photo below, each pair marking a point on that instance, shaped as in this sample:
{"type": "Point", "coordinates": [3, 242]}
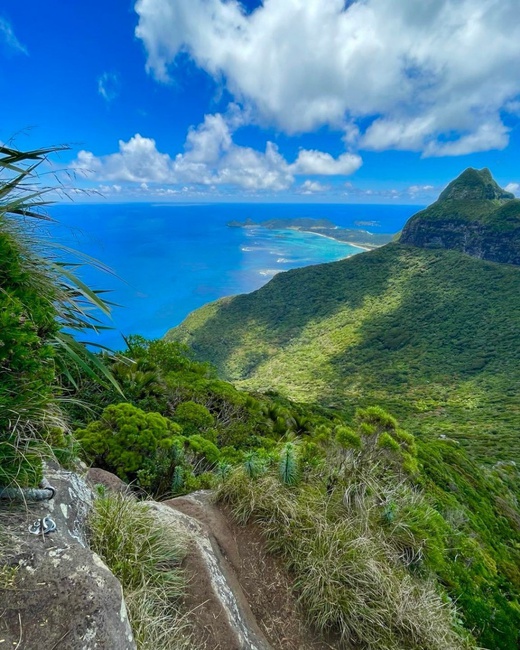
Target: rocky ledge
{"type": "Point", "coordinates": [61, 594]}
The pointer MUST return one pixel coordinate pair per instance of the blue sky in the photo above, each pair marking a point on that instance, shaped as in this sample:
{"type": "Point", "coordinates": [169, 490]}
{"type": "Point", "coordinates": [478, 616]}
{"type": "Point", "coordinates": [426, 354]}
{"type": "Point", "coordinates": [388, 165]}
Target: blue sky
{"type": "Point", "coordinates": [286, 100]}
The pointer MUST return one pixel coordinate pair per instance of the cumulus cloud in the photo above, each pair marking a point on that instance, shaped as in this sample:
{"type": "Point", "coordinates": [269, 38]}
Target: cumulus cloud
{"type": "Point", "coordinates": [210, 158]}
{"type": "Point", "coordinates": [8, 38]}
{"type": "Point", "coordinates": [310, 161]}
{"type": "Point", "coordinates": [311, 187]}
{"type": "Point", "coordinates": [109, 85]}
{"type": "Point", "coordinates": [414, 189]}
{"type": "Point", "coordinates": [514, 188]}
{"type": "Point", "coordinates": [137, 160]}
{"type": "Point", "coordinates": [432, 76]}
{"type": "Point", "coordinates": [413, 193]}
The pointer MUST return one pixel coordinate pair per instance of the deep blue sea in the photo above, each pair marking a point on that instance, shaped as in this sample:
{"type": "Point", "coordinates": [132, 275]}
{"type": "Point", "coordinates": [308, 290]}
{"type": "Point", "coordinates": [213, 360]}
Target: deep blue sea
{"type": "Point", "coordinates": [170, 259]}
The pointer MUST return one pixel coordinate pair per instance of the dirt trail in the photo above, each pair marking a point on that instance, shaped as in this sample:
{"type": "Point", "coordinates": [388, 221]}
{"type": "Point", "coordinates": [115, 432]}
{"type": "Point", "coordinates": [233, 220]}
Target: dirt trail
{"type": "Point", "coordinates": [260, 586]}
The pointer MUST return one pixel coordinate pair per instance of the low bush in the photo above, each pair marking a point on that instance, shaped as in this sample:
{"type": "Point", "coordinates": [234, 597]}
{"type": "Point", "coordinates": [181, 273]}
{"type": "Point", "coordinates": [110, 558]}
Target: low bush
{"type": "Point", "coordinates": [125, 438]}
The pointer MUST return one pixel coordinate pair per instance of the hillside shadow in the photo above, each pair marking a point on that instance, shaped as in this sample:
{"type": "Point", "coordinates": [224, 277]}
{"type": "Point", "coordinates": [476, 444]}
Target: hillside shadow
{"type": "Point", "coordinates": [455, 326]}
{"type": "Point", "coordinates": [280, 311]}
{"type": "Point", "coordinates": [452, 311]}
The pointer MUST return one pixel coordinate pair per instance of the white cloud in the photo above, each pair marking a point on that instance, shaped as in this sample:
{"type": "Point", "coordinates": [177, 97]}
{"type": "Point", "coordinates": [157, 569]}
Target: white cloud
{"type": "Point", "coordinates": [137, 160]}
{"type": "Point", "coordinates": [209, 140]}
{"type": "Point", "coordinates": [210, 158]}
{"type": "Point", "coordinates": [8, 36]}
{"type": "Point", "coordinates": [489, 135]}
{"type": "Point", "coordinates": [310, 161]}
{"type": "Point", "coordinates": [109, 85]}
{"type": "Point", "coordinates": [254, 170]}
{"type": "Point", "coordinates": [430, 76]}
{"type": "Point", "coordinates": [514, 188]}
{"type": "Point", "coordinates": [310, 187]}
{"type": "Point", "coordinates": [110, 189]}
{"type": "Point", "coordinates": [416, 192]}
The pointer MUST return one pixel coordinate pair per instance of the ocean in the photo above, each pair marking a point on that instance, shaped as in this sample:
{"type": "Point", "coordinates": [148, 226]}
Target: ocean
{"type": "Point", "coordinates": [169, 259]}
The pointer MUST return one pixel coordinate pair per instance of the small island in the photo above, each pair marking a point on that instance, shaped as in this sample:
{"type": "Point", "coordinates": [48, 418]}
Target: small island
{"type": "Point", "coordinates": [323, 227]}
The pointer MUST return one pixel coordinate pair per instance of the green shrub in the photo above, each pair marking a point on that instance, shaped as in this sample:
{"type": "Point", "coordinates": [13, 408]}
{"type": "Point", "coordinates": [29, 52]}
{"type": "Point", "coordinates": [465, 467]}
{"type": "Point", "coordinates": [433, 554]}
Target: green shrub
{"type": "Point", "coordinates": [377, 441]}
{"type": "Point", "coordinates": [254, 465]}
{"type": "Point", "coordinates": [204, 450]}
{"type": "Point", "coordinates": [125, 438]}
{"type": "Point", "coordinates": [288, 468]}
{"type": "Point", "coordinates": [162, 474]}
{"type": "Point", "coordinates": [27, 372]}
{"type": "Point", "coordinates": [193, 417]}
{"type": "Point", "coordinates": [348, 438]}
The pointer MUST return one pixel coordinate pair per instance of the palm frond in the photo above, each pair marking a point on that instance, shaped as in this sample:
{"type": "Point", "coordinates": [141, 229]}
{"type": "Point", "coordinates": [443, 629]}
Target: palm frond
{"type": "Point", "coordinates": [76, 304]}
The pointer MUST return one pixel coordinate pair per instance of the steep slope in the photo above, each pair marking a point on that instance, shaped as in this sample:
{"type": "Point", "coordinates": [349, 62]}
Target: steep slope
{"type": "Point", "coordinates": [472, 215]}
{"type": "Point", "coordinates": [238, 595]}
{"type": "Point", "coordinates": [432, 335]}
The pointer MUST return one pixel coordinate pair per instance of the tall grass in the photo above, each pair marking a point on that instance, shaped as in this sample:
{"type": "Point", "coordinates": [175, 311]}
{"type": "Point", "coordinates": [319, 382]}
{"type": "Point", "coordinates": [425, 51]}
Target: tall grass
{"type": "Point", "coordinates": [40, 295]}
{"type": "Point", "coordinates": [145, 556]}
{"type": "Point", "coordinates": [350, 578]}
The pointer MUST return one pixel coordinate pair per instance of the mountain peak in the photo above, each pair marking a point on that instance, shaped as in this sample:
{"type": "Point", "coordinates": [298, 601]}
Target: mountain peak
{"type": "Point", "coordinates": [475, 185]}
{"type": "Point", "coordinates": [473, 215]}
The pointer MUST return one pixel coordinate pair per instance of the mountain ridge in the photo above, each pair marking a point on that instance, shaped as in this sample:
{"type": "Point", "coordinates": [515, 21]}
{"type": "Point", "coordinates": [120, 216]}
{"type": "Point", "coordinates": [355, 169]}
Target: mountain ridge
{"type": "Point", "coordinates": [429, 333]}
{"type": "Point", "coordinates": [472, 215]}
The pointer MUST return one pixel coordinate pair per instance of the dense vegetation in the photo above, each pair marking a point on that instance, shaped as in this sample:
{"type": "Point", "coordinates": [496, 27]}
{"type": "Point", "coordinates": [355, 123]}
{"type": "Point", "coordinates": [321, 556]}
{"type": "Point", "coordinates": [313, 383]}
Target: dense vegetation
{"type": "Point", "coordinates": [430, 335]}
{"type": "Point", "coordinates": [472, 215]}
{"type": "Point", "coordinates": [431, 512]}
{"type": "Point", "coordinates": [394, 541]}
{"type": "Point", "coordinates": [27, 321]}
{"type": "Point", "coordinates": [181, 427]}
{"type": "Point", "coordinates": [358, 563]}
{"type": "Point", "coordinates": [39, 297]}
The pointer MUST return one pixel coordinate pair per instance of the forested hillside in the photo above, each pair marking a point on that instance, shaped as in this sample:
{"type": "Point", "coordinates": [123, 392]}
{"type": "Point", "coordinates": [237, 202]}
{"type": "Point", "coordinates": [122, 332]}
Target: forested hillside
{"type": "Point", "coordinates": [432, 335]}
{"type": "Point", "coordinates": [391, 536]}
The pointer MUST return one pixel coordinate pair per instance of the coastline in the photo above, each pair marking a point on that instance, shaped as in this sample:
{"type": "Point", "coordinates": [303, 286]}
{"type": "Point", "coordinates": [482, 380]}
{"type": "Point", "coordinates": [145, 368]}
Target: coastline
{"type": "Point", "coordinates": [327, 231]}
{"type": "Point", "coordinates": [341, 241]}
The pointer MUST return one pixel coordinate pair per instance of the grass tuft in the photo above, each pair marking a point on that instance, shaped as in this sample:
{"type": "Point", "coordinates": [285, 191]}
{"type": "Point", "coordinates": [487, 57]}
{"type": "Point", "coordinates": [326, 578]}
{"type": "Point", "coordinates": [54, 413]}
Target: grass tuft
{"type": "Point", "coordinates": [145, 556]}
{"type": "Point", "coordinates": [350, 577]}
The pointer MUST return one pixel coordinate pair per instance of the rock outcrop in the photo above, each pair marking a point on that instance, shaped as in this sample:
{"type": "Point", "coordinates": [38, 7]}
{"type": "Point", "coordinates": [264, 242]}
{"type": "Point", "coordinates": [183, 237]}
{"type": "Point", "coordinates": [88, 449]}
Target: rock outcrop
{"type": "Point", "coordinates": [54, 591]}
{"type": "Point", "coordinates": [223, 615]}
{"type": "Point", "coordinates": [109, 481]}
{"type": "Point", "coordinates": [472, 215]}
{"type": "Point", "coordinates": [241, 598]}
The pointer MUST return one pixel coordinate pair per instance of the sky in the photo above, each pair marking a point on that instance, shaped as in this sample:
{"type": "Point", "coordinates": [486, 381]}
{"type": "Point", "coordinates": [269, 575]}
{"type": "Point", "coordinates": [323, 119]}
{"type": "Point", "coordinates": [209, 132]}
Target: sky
{"type": "Point", "coordinates": [352, 101]}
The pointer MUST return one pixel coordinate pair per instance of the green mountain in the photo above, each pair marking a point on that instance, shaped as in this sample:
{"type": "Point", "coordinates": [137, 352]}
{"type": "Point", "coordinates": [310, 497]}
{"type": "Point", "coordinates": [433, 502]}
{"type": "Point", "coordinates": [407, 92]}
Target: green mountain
{"type": "Point", "coordinates": [430, 334]}
{"type": "Point", "coordinates": [472, 215]}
